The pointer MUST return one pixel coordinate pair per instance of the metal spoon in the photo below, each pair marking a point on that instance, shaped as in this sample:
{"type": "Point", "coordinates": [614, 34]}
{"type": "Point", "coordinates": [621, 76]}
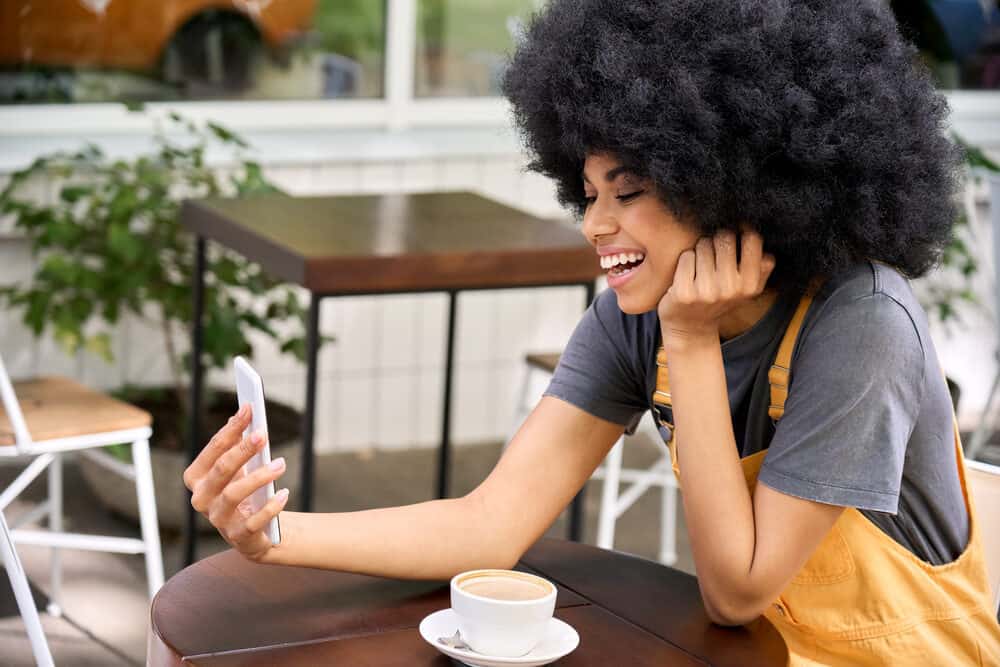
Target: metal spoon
{"type": "Point", "coordinates": [455, 641]}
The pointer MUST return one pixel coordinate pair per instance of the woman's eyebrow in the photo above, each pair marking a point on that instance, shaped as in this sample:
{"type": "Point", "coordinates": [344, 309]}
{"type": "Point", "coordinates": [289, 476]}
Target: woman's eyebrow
{"type": "Point", "coordinates": [611, 175]}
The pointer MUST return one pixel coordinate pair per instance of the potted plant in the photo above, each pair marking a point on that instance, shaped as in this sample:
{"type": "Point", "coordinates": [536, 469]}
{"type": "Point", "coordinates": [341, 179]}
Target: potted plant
{"type": "Point", "coordinates": [110, 244]}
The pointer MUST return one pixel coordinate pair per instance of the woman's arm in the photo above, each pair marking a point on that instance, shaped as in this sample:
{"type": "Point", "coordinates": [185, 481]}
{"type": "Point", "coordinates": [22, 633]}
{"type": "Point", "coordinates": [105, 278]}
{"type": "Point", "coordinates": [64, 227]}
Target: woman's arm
{"type": "Point", "coordinates": [746, 548]}
{"type": "Point", "coordinates": [550, 458]}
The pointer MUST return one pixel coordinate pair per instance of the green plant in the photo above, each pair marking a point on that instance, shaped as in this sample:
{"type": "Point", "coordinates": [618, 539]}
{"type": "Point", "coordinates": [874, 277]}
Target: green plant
{"type": "Point", "coordinates": [954, 284]}
{"type": "Point", "coordinates": [110, 243]}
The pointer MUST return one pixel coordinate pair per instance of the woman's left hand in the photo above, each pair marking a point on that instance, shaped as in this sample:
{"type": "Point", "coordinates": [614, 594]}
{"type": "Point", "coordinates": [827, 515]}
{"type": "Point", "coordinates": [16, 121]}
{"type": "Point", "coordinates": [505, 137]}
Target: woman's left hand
{"type": "Point", "coordinates": [709, 282]}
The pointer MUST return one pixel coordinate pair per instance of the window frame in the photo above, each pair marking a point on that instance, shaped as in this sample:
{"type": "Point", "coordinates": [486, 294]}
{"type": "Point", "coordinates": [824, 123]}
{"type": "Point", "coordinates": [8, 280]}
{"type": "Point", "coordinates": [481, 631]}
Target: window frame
{"type": "Point", "coordinates": [975, 114]}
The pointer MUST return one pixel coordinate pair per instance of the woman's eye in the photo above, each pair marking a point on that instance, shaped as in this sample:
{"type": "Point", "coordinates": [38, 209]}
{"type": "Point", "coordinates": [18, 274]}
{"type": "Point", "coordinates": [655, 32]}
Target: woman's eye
{"type": "Point", "coordinates": [630, 196]}
{"type": "Point", "coordinates": [589, 200]}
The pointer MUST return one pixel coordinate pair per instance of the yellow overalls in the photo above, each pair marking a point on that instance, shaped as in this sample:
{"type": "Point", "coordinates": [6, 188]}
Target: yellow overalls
{"type": "Point", "coordinates": [862, 598]}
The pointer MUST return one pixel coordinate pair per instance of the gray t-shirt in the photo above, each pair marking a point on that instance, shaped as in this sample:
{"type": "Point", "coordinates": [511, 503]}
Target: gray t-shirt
{"type": "Point", "coordinates": [868, 420]}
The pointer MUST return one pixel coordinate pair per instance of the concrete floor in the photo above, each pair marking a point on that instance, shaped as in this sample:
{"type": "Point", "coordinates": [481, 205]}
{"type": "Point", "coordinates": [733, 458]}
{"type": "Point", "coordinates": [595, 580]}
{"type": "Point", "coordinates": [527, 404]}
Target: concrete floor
{"type": "Point", "coordinates": [104, 595]}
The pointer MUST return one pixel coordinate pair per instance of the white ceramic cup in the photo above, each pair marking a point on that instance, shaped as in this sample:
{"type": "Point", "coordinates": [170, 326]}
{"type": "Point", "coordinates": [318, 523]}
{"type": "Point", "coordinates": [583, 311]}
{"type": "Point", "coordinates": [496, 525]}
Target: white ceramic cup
{"type": "Point", "coordinates": [502, 628]}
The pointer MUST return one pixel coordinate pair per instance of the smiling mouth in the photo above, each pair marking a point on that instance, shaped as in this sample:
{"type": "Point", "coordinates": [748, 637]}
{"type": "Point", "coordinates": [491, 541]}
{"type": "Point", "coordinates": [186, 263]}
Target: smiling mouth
{"type": "Point", "coordinates": [622, 263]}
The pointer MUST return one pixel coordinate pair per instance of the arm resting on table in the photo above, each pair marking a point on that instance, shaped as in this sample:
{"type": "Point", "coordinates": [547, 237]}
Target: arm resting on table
{"type": "Point", "coordinates": [746, 547]}
{"type": "Point", "coordinates": [547, 462]}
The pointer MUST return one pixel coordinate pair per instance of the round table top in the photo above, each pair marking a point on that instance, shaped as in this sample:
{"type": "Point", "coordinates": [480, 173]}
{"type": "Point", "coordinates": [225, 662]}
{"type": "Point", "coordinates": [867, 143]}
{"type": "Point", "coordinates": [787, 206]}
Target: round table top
{"type": "Point", "coordinates": [225, 610]}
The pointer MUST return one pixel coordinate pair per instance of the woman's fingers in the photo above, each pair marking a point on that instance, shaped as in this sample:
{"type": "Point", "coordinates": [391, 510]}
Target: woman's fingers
{"type": "Point", "coordinates": [720, 272]}
{"type": "Point", "coordinates": [683, 283]}
{"type": "Point", "coordinates": [726, 270]}
{"type": "Point", "coordinates": [242, 488]}
{"type": "Point", "coordinates": [751, 248]}
{"type": "Point", "coordinates": [258, 522]}
{"type": "Point", "coordinates": [221, 442]}
{"type": "Point", "coordinates": [766, 268]}
{"type": "Point", "coordinates": [223, 470]}
{"type": "Point", "coordinates": [705, 277]}
{"type": "Point", "coordinates": [752, 256]}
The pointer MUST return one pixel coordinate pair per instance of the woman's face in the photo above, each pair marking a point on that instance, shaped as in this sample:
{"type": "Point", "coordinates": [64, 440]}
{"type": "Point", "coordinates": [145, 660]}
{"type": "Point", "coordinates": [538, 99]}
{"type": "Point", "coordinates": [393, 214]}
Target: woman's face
{"type": "Point", "coordinates": [637, 238]}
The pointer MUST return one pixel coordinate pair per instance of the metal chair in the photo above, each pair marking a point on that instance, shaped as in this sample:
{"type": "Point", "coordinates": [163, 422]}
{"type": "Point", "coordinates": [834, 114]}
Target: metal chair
{"type": "Point", "coordinates": [43, 419]}
{"type": "Point", "coordinates": [22, 593]}
{"type": "Point", "coordinates": [614, 502]}
{"type": "Point", "coordinates": [983, 481]}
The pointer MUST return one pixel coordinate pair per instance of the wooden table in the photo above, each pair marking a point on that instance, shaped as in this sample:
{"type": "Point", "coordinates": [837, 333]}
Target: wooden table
{"type": "Point", "coordinates": [381, 244]}
{"type": "Point", "coordinates": [226, 611]}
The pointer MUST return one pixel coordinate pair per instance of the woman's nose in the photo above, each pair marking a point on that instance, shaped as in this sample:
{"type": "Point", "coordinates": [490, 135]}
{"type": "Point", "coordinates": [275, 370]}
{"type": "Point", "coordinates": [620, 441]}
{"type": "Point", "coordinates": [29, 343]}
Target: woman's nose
{"type": "Point", "coordinates": [598, 221]}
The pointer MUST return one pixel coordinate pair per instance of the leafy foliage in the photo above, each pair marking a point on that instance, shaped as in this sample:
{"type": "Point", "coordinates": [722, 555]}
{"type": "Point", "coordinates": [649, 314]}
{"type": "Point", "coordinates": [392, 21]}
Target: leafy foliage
{"type": "Point", "coordinates": [943, 296]}
{"type": "Point", "coordinates": [110, 243]}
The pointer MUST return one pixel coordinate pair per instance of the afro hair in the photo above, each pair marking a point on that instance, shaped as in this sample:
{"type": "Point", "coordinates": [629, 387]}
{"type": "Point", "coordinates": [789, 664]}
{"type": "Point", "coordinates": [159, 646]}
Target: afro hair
{"type": "Point", "coordinates": [810, 121]}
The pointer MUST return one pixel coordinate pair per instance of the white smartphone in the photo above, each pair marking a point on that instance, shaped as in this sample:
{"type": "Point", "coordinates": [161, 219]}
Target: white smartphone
{"type": "Point", "coordinates": [250, 389]}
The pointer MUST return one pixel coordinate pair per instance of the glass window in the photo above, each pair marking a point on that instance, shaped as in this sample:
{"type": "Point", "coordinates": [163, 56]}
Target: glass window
{"type": "Point", "coordinates": [958, 39]}
{"type": "Point", "coordinates": [462, 45]}
{"type": "Point", "coordinates": [152, 50]}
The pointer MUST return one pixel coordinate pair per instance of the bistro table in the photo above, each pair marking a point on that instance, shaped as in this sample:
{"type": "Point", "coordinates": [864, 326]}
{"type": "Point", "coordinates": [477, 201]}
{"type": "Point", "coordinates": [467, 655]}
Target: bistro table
{"type": "Point", "coordinates": [225, 610]}
{"type": "Point", "coordinates": [381, 244]}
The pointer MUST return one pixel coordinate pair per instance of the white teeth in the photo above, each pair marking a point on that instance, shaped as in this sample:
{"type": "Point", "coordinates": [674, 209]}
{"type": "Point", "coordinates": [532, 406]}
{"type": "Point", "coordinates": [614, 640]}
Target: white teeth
{"type": "Point", "coordinates": [611, 261]}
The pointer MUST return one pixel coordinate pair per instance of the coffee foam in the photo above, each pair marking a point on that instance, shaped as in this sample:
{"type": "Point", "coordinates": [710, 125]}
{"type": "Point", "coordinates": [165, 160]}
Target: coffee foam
{"type": "Point", "coordinates": [505, 585]}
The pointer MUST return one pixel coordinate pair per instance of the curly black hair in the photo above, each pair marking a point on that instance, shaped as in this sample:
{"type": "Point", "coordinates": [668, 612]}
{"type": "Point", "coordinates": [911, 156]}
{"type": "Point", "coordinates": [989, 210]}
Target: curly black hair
{"type": "Point", "coordinates": [810, 121]}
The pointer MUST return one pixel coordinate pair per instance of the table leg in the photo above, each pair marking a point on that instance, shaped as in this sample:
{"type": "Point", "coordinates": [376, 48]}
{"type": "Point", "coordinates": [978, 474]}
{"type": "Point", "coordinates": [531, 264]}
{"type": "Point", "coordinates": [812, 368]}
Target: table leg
{"type": "Point", "coordinates": [576, 509]}
{"type": "Point", "coordinates": [444, 453]}
{"type": "Point", "coordinates": [309, 417]}
{"type": "Point", "coordinates": [194, 417]}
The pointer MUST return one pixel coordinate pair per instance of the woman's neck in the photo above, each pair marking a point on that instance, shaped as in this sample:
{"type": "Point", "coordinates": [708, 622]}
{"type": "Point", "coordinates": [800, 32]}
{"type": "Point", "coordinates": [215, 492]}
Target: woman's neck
{"type": "Point", "coordinates": [744, 317]}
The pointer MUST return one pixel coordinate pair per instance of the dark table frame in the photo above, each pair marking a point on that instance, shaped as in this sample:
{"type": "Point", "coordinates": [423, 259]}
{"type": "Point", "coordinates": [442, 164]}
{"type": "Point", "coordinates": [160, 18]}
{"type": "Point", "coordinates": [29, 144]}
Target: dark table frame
{"type": "Point", "coordinates": [195, 443]}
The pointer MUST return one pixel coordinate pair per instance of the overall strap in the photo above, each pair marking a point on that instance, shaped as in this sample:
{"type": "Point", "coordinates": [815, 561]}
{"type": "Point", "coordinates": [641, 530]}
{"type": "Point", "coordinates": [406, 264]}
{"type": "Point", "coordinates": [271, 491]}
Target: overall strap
{"type": "Point", "coordinates": [777, 377]}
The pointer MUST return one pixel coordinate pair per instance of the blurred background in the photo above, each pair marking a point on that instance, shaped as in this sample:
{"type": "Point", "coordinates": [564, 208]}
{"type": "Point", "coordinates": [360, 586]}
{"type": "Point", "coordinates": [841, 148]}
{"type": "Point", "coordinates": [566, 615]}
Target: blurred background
{"type": "Point", "coordinates": [319, 97]}
{"type": "Point", "coordinates": [356, 96]}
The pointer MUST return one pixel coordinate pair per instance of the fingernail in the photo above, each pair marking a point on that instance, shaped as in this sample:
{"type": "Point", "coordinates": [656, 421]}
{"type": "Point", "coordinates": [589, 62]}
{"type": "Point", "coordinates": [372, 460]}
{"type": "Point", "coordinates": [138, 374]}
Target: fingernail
{"type": "Point", "coordinates": [281, 495]}
{"type": "Point", "coordinates": [244, 409]}
{"type": "Point", "coordinates": [278, 463]}
{"type": "Point", "coordinates": [257, 438]}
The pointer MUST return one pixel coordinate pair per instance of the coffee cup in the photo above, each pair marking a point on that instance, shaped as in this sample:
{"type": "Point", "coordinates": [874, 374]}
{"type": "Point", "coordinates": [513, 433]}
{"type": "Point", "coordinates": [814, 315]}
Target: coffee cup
{"type": "Point", "coordinates": [502, 613]}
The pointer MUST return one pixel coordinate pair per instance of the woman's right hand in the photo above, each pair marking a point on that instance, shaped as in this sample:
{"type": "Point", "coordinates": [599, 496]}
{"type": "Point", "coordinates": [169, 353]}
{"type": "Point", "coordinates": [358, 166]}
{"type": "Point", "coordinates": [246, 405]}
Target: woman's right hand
{"type": "Point", "coordinates": [221, 491]}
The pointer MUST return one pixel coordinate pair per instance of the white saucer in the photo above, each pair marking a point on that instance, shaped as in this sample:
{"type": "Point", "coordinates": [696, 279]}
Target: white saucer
{"type": "Point", "coordinates": [560, 639]}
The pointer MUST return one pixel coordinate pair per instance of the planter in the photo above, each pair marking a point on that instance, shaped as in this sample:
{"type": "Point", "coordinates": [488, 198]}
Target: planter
{"type": "Point", "coordinates": [116, 491]}
{"type": "Point", "coordinates": [112, 481]}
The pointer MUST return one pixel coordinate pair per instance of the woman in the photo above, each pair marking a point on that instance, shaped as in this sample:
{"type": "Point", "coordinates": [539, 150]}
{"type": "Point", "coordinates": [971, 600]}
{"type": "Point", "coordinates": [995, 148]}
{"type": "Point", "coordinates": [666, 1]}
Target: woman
{"type": "Point", "coordinates": [759, 179]}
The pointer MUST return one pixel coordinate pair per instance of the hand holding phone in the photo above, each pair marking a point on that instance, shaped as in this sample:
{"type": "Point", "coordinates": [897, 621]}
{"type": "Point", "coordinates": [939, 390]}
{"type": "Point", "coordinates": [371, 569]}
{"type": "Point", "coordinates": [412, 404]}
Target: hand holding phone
{"type": "Point", "coordinates": [250, 389]}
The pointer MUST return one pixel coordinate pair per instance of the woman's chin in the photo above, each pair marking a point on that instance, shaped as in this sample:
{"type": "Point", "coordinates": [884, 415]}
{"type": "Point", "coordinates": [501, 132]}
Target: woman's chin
{"type": "Point", "coordinates": [635, 305]}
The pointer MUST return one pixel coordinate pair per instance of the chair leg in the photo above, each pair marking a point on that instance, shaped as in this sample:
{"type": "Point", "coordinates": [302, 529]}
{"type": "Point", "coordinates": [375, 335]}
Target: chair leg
{"type": "Point", "coordinates": [56, 525]}
{"type": "Point", "coordinates": [609, 496]}
{"type": "Point", "coordinates": [22, 593]}
{"type": "Point", "coordinates": [147, 515]}
{"type": "Point", "coordinates": [668, 521]}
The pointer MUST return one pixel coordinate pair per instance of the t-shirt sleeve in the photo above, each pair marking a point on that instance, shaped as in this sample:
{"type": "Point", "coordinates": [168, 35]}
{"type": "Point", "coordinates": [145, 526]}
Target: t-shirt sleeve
{"type": "Point", "coordinates": [596, 371]}
{"type": "Point", "coordinates": [857, 376]}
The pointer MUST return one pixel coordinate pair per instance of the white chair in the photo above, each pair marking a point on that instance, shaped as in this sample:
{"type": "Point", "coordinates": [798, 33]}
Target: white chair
{"type": "Point", "coordinates": [43, 419]}
{"type": "Point", "coordinates": [22, 594]}
{"type": "Point", "coordinates": [614, 502]}
{"type": "Point", "coordinates": [983, 481]}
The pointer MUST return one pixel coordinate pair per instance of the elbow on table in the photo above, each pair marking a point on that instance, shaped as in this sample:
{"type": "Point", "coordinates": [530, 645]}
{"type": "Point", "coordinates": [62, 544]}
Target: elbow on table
{"type": "Point", "coordinates": [730, 611]}
{"type": "Point", "coordinates": [731, 619]}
